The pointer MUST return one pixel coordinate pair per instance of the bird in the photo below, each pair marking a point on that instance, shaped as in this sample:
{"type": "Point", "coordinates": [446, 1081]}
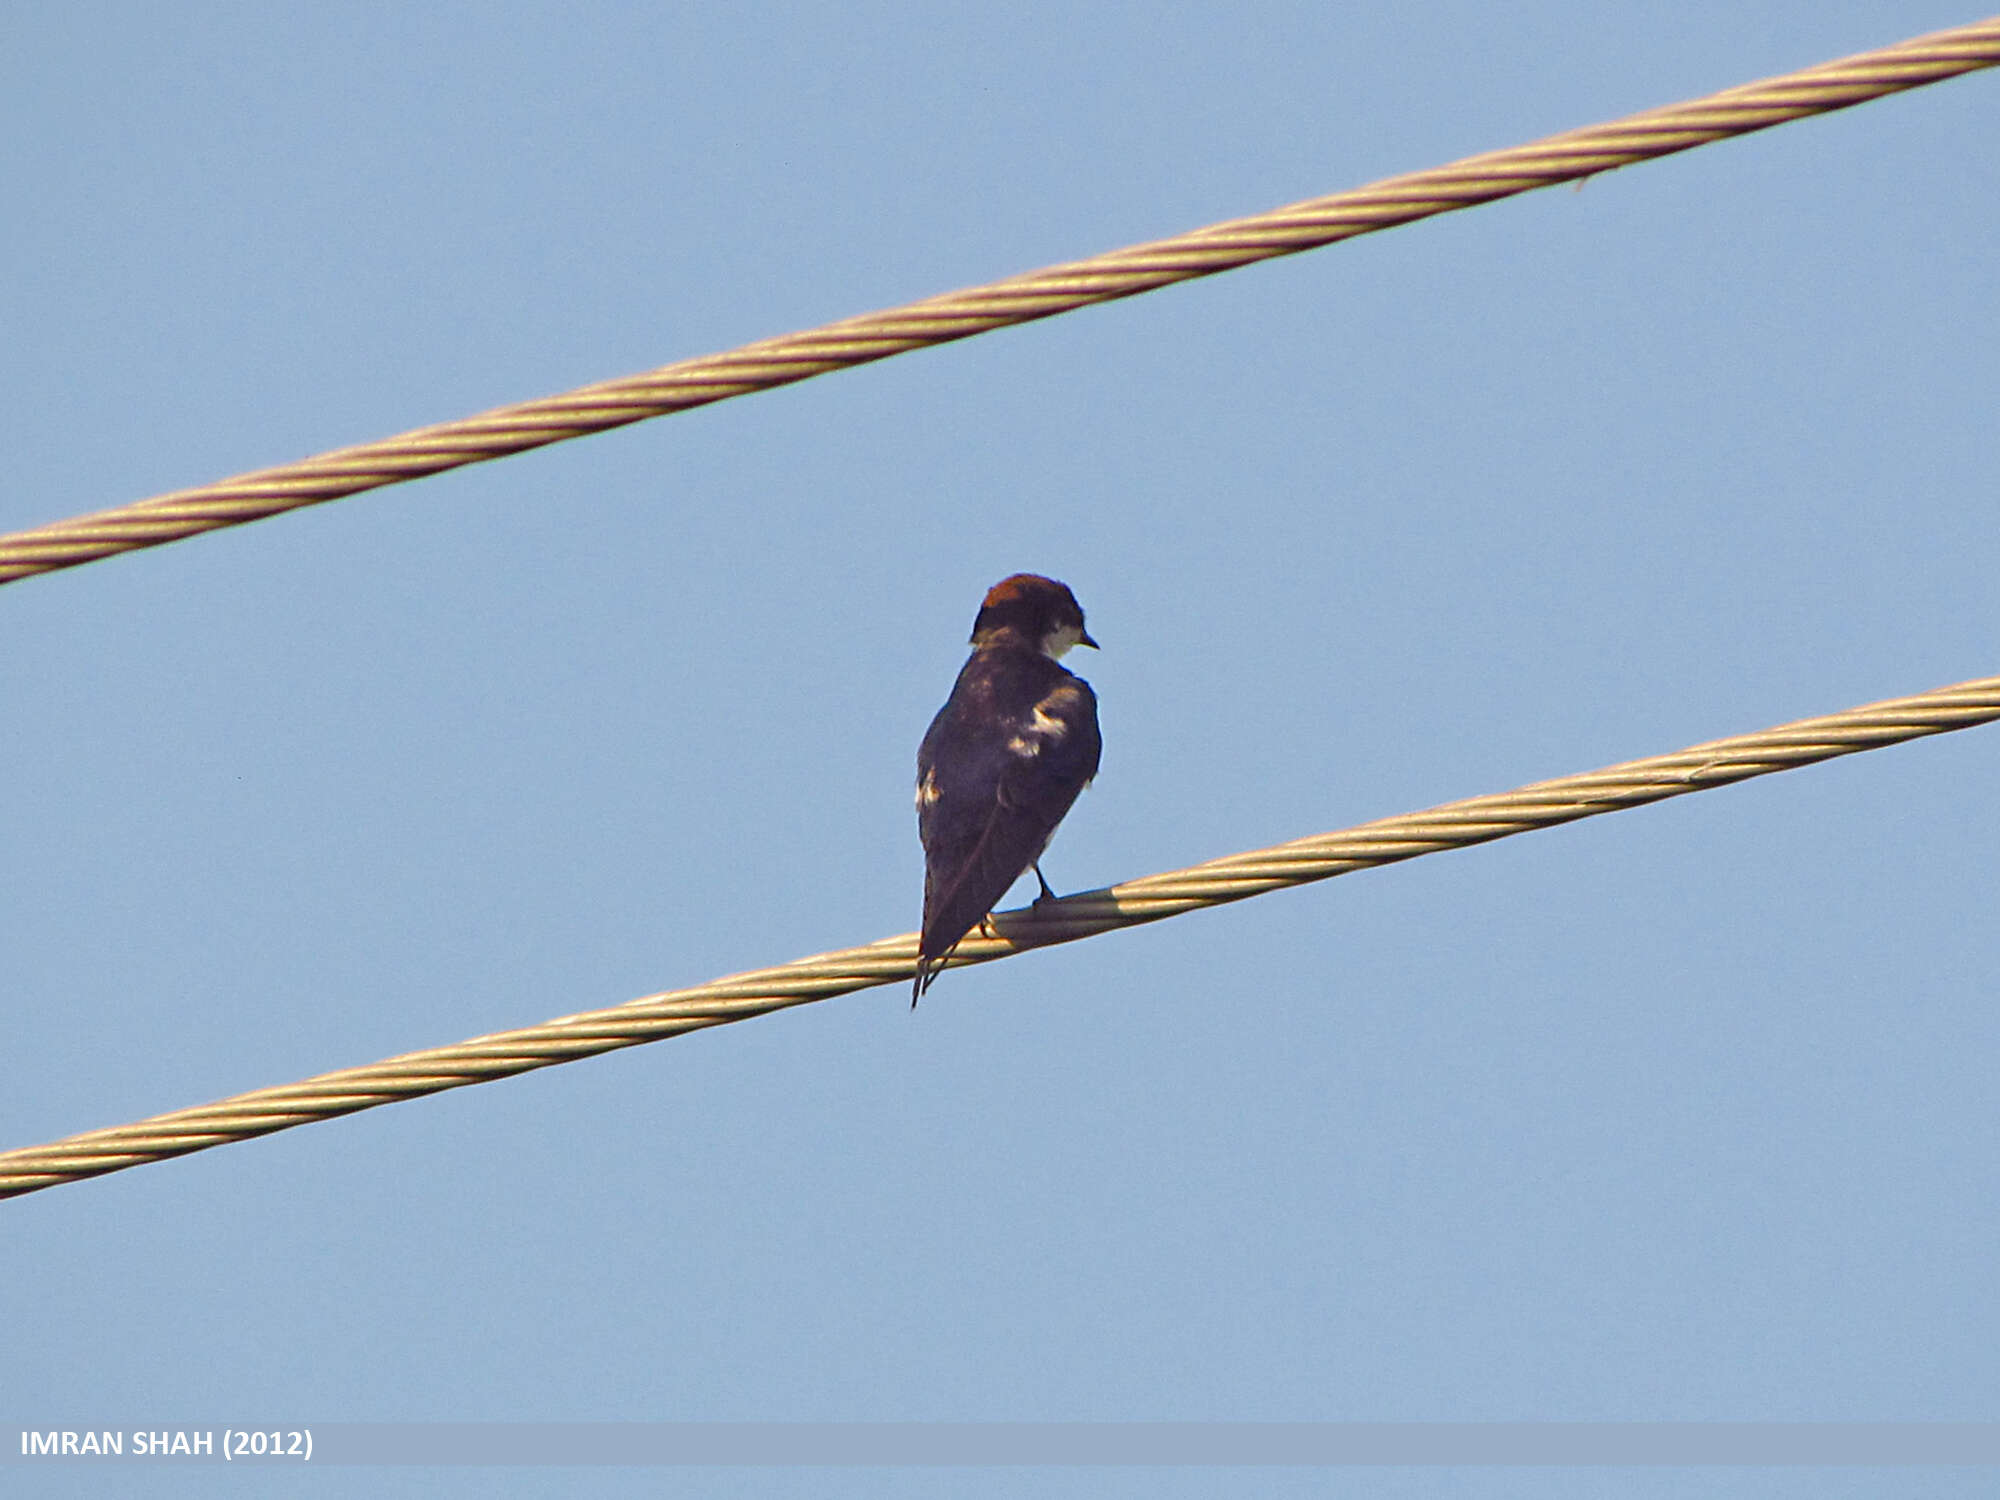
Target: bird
{"type": "Point", "coordinates": [1002, 762]}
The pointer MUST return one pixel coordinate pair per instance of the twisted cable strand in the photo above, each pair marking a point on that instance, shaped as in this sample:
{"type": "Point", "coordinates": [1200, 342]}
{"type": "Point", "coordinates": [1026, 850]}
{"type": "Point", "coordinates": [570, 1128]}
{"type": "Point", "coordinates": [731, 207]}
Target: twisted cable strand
{"type": "Point", "coordinates": [893, 960]}
{"type": "Point", "coordinates": [1018, 299]}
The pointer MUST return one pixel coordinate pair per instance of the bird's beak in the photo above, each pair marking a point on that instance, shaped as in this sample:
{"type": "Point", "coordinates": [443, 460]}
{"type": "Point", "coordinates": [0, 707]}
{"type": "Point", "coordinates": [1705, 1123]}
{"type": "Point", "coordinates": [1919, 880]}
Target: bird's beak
{"type": "Point", "coordinates": [1085, 640]}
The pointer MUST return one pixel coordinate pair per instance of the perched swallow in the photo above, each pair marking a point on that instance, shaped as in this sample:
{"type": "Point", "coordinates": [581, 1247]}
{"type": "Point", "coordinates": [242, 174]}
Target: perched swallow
{"type": "Point", "coordinates": [1002, 761]}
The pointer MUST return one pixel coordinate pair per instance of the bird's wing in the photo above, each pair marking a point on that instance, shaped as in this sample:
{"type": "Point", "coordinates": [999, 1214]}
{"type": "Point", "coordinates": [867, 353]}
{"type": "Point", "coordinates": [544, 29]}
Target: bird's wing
{"type": "Point", "coordinates": [1046, 766]}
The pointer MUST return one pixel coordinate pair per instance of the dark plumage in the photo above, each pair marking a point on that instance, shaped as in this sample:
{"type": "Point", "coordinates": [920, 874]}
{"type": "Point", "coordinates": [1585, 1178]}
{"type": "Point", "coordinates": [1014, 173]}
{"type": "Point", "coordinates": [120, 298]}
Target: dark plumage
{"type": "Point", "coordinates": [1003, 760]}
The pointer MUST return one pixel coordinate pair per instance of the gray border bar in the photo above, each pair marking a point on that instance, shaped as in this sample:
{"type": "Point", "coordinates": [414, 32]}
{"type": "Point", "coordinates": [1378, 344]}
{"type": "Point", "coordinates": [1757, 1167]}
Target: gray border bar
{"type": "Point", "coordinates": [1071, 1444]}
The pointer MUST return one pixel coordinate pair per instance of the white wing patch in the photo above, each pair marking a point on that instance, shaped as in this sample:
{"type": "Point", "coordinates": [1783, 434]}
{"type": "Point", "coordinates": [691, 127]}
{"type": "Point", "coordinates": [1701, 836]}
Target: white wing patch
{"type": "Point", "coordinates": [927, 790]}
{"type": "Point", "coordinates": [1043, 728]}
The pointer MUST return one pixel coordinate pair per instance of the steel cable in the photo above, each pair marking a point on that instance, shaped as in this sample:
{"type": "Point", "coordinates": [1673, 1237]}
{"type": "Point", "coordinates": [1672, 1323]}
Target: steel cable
{"type": "Point", "coordinates": [892, 960]}
{"type": "Point", "coordinates": [1020, 299]}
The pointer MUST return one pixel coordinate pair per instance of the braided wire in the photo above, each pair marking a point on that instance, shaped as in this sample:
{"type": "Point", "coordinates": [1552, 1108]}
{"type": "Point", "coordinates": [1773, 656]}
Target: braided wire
{"type": "Point", "coordinates": [1019, 299]}
{"type": "Point", "coordinates": [893, 960]}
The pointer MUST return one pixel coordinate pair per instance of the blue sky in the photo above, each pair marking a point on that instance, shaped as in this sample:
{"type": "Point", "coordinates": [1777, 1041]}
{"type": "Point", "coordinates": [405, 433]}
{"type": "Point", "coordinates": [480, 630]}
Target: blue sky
{"type": "Point", "coordinates": [1683, 1114]}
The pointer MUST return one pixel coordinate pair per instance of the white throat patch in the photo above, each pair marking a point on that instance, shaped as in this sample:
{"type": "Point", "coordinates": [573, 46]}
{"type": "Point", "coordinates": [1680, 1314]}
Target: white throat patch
{"type": "Point", "coordinates": [1059, 640]}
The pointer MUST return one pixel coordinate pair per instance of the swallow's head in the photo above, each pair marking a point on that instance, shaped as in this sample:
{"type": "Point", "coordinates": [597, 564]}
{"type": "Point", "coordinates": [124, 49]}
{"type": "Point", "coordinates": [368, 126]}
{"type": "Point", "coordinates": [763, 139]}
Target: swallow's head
{"type": "Point", "coordinates": [1035, 611]}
